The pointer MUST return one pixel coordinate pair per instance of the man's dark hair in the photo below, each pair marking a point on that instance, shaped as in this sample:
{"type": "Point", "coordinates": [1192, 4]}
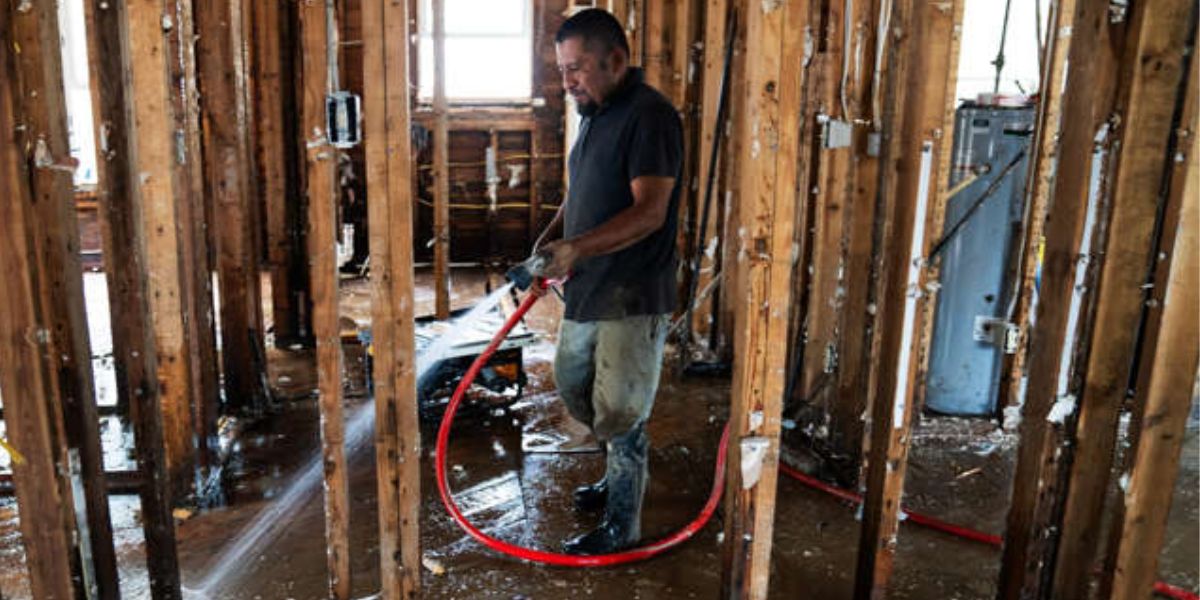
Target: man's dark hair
{"type": "Point", "coordinates": [598, 29]}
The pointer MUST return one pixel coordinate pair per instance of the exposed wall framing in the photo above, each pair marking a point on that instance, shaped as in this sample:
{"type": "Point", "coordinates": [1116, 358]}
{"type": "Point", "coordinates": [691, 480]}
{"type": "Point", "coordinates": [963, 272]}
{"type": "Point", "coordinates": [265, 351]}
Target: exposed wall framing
{"type": "Point", "coordinates": [441, 167]}
{"type": "Point", "coordinates": [1039, 186]}
{"type": "Point", "coordinates": [924, 38]}
{"type": "Point", "coordinates": [40, 109]}
{"type": "Point", "coordinates": [140, 196]}
{"type": "Point", "coordinates": [768, 213]}
{"type": "Point", "coordinates": [852, 358]}
{"type": "Point", "coordinates": [1063, 466]}
{"type": "Point", "coordinates": [315, 30]}
{"type": "Point", "coordinates": [31, 398]}
{"type": "Point", "coordinates": [1151, 101]}
{"type": "Point", "coordinates": [273, 136]}
{"type": "Point", "coordinates": [227, 171]}
{"type": "Point", "coordinates": [390, 189]}
{"type": "Point", "coordinates": [1164, 408]}
{"type": "Point", "coordinates": [195, 214]}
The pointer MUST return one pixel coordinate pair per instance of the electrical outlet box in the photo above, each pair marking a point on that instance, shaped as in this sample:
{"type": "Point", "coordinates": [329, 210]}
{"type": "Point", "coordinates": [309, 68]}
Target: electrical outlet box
{"type": "Point", "coordinates": [835, 133]}
{"type": "Point", "coordinates": [343, 113]}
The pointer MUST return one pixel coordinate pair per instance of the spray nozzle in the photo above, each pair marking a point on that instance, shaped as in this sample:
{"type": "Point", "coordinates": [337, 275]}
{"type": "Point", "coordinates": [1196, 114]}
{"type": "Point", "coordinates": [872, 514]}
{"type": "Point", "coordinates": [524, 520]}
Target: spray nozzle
{"type": "Point", "coordinates": [524, 274]}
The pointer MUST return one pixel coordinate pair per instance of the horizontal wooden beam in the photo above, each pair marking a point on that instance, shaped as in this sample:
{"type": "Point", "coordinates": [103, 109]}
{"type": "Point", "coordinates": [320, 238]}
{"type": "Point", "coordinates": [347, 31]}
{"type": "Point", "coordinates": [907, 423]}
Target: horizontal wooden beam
{"type": "Point", "coordinates": [115, 483]}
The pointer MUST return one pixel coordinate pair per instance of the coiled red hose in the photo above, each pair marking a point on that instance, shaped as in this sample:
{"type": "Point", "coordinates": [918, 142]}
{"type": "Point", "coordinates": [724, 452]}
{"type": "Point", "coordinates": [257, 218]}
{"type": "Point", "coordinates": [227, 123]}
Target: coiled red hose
{"type": "Point", "coordinates": [541, 556]}
{"type": "Point", "coordinates": [649, 550]}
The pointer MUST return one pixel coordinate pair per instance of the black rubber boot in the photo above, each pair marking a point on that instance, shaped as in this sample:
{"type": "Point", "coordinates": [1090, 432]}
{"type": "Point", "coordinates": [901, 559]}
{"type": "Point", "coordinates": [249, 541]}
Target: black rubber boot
{"type": "Point", "coordinates": [625, 481]}
{"type": "Point", "coordinates": [593, 497]}
{"type": "Point", "coordinates": [609, 537]}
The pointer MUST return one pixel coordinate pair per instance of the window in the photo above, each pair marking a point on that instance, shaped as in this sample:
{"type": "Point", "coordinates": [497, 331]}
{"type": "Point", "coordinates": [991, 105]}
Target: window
{"type": "Point", "coordinates": [489, 50]}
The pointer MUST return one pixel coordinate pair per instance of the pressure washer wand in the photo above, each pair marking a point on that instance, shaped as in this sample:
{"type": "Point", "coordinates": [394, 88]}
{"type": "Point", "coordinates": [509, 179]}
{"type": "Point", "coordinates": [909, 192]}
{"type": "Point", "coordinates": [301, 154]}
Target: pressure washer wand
{"type": "Point", "coordinates": [533, 272]}
{"type": "Point", "coordinates": [525, 274]}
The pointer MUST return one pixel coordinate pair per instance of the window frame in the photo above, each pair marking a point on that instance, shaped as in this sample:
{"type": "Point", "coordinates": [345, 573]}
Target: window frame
{"type": "Point", "coordinates": [426, 102]}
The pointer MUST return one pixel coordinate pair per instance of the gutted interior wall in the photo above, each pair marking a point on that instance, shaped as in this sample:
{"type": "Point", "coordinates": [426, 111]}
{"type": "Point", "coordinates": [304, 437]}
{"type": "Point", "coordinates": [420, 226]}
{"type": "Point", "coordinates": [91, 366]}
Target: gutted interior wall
{"type": "Point", "coordinates": [528, 142]}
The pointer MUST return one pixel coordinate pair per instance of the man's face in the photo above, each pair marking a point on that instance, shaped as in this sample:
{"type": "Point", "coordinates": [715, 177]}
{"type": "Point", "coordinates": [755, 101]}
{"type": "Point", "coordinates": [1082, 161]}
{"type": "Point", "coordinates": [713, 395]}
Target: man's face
{"type": "Point", "coordinates": [589, 75]}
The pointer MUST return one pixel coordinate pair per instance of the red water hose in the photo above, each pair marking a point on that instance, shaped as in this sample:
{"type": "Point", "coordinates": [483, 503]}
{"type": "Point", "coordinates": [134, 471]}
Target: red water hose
{"type": "Point", "coordinates": [541, 556]}
{"type": "Point", "coordinates": [956, 530]}
{"type": "Point", "coordinates": [658, 547]}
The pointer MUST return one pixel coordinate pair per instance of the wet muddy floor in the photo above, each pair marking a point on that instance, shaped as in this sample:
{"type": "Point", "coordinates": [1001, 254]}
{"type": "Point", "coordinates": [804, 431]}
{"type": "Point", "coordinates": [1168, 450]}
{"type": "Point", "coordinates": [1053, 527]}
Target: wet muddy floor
{"type": "Point", "coordinates": [512, 466]}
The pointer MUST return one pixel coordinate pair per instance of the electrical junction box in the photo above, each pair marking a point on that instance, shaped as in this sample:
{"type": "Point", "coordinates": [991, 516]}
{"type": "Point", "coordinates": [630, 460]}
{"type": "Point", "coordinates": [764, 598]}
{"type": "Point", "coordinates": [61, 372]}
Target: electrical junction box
{"type": "Point", "coordinates": [343, 111]}
{"type": "Point", "coordinates": [835, 133]}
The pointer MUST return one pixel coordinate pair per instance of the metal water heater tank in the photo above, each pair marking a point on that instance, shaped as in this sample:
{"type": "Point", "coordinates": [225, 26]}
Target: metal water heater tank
{"type": "Point", "coordinates": [971, 329]}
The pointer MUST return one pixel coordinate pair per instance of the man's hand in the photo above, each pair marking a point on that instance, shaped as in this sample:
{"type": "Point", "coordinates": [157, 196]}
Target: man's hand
{"type": "Point", "coordinates": [563, 254]}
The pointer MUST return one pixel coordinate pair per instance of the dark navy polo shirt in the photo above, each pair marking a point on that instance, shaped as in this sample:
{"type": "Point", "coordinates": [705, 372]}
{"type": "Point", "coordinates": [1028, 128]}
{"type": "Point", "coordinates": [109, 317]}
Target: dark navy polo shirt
{"type": "Point", "coordinates": [636, 132]}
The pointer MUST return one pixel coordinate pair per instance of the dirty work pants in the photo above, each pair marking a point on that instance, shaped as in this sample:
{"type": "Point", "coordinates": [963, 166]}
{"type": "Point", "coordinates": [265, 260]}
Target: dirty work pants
{"type": "Point", "coordinates": [607, 374]}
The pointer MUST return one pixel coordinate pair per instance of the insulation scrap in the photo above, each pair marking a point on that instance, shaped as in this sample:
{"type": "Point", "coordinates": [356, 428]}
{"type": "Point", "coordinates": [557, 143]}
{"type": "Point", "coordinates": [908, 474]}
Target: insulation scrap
{"type": "Point", "coordinates": [434, 565]}
{"type": "Point", "coordinates": [1063, 408]}
{"type": "Point", "coordinates": [754, 449]}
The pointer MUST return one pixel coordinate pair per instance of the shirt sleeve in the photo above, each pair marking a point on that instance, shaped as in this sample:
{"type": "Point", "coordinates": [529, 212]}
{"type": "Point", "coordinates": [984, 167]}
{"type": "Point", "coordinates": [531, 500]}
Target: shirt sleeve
{"type": "Point", "coordinates": [657, 145]}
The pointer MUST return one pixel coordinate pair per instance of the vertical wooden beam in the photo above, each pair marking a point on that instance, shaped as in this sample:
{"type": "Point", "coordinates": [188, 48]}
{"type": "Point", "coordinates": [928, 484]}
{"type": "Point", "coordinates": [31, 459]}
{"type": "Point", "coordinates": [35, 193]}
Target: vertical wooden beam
{"type": "Point", "coordinates": [1181, 170]}
{"type": "Point", "coordinates": [222, 113]}
{"type": "Point", "coordinates": [1165, 400]}
{"type": "Point", "coordinates": [814, 318]}
{"type": "Point", "coordinates": [1151, 98]}
{"type": "Point", "coordinates": [270, 146]}
{"type": "Point", "coordinates": [535, 184]}
{"type": "Point", "coordinates": [716, 15]}
{"type": "Point", "coordinates": [1038, 187]}
{"type": "Point", "coordinates": [715, 20]}
{"type": "Point", "coordinates": [145, 115]}
{"type": "Point", "coordinates": [122, 194]}
{"type": "Point", "coordinates": [655, 60]}
{"type": "Point", "coordinates": [685, 53]}
{"type": "Point", "coordinates": [26, 348]}
{"type": "Point", "coordinates": [389, 190]}
{"type": "Point", "coordinates": [322, 235]}
{"type": "Point", "coordinates": [768, 208]}
{"type": "Point", "coordinates": [155, 154]}
{"type": "Point", "coordinates": [680, 32]}
{"type": "Point", "coordinates": [44, 117]}
{"type": "Point", "coordinates": [923, 39]}
{"type": "Point", "coordinates": [441, 167]}
{"type": "Point", "coordinates": [632, 14]}
{"type": "Point", "coordinates": [1087, 105]}
{"type": "Point", "coordinates": [196, 287]}
{"type": "Point", "coordinates": [945, 108]}
{"type": "Point", "coordinates": [855, 319]}
{"type": "Point", "coordinates": [118, 222]}
{"type": "Point", "coordinates": [294, 142]}
{"type": "Point", "coordinates": [735, 128]}
{"type": "Point", "coordinates": [242, 29]}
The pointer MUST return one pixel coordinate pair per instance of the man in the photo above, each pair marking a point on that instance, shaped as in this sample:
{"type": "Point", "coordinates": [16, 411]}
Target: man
{"type": "Point", "coordinates": [615, 239]}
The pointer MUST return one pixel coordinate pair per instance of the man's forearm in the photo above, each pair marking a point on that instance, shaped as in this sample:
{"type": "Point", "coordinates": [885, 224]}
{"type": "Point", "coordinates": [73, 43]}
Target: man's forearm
{"type": "Point", "coordinates": [625, 229]}
{"type": "Point", "coordinates": [552, 232]}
